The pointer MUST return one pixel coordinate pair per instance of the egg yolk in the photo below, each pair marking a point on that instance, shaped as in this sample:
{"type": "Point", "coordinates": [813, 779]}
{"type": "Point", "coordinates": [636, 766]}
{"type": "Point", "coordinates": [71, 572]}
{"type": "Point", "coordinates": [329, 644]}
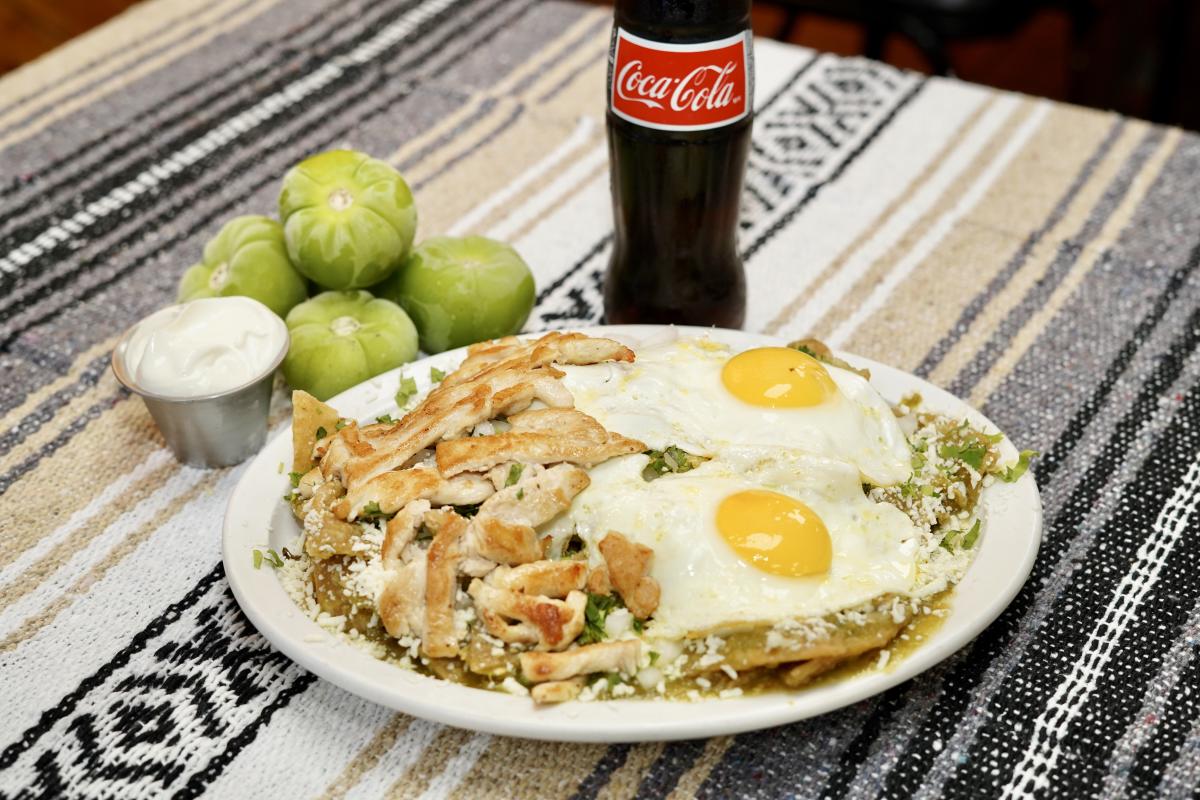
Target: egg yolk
{"type": "Point", "coordinates": [777, 377]}
{"type": "Point", "coordinates": [775, 533]}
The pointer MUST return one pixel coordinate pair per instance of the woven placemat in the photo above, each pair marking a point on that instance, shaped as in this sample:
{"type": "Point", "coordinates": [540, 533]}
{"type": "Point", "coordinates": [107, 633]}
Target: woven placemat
{"type": "Point", "coordinates": [1037, 259]}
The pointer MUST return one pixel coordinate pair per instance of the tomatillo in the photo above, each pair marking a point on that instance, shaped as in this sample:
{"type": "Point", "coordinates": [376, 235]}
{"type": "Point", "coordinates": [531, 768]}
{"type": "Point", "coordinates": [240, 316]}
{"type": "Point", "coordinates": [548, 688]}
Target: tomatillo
{"type": "Point", "coordinates": [340, 339]}
{"type": "Point", "coordinates": [461, 291]}
{"type": "Point", "coordinates": [348, 219]}
{"type": "Point", "coordinates": [248, 258]}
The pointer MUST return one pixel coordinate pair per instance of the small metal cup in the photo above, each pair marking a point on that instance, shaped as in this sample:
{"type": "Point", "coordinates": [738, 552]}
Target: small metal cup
{"type": "Point", "coordinates": [216, 430]}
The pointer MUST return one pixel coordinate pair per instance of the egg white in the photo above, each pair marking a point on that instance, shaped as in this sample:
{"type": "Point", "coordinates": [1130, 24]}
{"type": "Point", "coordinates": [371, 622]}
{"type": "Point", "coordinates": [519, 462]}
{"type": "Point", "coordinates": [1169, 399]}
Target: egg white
{"type": "Point", "coordinates": [705, 585]}
{"type": "Point", "coordinates": [673, 394]}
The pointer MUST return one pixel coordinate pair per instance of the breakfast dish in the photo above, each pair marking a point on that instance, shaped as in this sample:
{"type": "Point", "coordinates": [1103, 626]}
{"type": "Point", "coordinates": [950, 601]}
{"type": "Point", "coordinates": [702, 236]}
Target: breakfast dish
{"type": "Point", "coordinates": [258, 528]}
{"type": "Point", "coordinates": [570, 518]}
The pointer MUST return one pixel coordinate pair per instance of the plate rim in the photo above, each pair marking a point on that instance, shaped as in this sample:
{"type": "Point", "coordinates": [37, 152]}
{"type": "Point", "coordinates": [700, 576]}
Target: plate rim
{"type": "Point", "coordinates": [601, 721]}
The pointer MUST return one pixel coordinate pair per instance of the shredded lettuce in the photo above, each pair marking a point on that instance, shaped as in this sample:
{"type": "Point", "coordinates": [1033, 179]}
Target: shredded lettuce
{"type": "Point", "coordinates": [1013, 473]}
{"type": "Point", "coordinates": [965, 540]}
{"type": "Point", "coordinates": [514, 474]}
{"type": "Point", "coordinates": [407, 388]}
{"type": "Point", "coordinates": [672, 459]}
{"type": "Point", "coordinates": [598, 608]}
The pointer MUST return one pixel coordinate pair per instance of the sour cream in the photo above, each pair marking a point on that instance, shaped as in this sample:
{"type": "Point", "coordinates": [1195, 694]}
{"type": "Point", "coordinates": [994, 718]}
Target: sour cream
{"type": "Point", "coordinates": [204, 347]}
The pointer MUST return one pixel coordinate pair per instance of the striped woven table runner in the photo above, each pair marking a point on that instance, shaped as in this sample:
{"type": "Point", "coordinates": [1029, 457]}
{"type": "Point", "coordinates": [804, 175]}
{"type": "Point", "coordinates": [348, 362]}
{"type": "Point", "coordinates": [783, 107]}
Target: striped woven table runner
{"type": "Point", "coordinates": [1036, 259]}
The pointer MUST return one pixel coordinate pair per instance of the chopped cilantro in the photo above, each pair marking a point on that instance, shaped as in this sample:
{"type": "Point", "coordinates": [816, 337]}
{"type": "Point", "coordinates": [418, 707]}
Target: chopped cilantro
{"type": "Point", "coordinates": [270, 557]}
{"type": "Point", "coordinates": [672, 459]}
{"type": "Point", "coordinates": [436, 375]}
{"type": "Point", "coordinates": [521, 493]}
{"type": "Point", "coordinates": [467, 511]}
{"type": "Point", "coordinates": [612, 679]}
{"type": "Point", "coordinates": [965, 540]}
{"type": "Point", "coordinates": [408, 387]}
{"type": "Point", "coordinates": [1013, 473]}
{"type": "Point", "coordinates": [970, 454]}
{"type": "Point", "coordinates": [514, 474]}
{"type": "Point", "coordinates": [386, 419]}
{"type": "Point", "coordinates": [596, 612]}
{"type": "Point", "coordinates": [295, 478]}
{"type": "Point", "coordinates": [918, 462]}
{"type": "Point", "coordinates": [653, 657]}
{"type": "Point", "coordinates": [321, 433]}
{"type": "Point", "coordinates": [803, 348]}
{"type": "Point", "coordinates": [969, 540]}
{"type": "Point", "coordinates": [371, 511]}
{"type": "Point", "coordinates": [638, 625]}
{"type": "Point", "coordinates": [341, 423]}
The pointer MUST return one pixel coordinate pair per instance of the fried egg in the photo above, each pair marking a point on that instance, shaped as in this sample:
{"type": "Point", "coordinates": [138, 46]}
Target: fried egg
{"type": "Point", "coordinates": [700, 396]}
{"type": "Point", "coordinates": [751, 538]}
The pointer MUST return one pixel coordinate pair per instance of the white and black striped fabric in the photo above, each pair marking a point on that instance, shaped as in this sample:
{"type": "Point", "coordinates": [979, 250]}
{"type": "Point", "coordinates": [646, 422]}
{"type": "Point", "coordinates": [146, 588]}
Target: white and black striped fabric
{"type": "Point", "coordinates": [1036, 259]}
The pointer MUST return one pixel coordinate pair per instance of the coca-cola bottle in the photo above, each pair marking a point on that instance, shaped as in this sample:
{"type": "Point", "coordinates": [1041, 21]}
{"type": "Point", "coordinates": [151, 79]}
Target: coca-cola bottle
{"type": "Point", "coordinates": [680, 109]}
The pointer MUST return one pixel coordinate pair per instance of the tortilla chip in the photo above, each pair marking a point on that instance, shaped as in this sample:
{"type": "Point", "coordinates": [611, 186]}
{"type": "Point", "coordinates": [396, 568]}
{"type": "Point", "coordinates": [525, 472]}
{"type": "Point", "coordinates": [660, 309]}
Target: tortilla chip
{"type": "Point", "coordinates": [753, 647]}
{"type": "Point", "coordinates": [308, 416]}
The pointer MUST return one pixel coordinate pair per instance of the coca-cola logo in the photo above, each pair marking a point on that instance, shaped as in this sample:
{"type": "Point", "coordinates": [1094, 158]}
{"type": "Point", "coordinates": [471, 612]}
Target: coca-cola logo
{"type": "Point", "coordinates": [692, 92]}
{"type": "Point", "coordinates": [680, 87]}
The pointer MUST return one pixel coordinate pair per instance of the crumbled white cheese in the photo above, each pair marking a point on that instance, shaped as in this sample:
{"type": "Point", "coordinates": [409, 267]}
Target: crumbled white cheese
{"type": "Point", "coordinates": [293, 576]}
{"type": "Point", "coordinates": [725, 694]}
{"type": "Point", "coordinates": [776, 640]}
{"type": "Point", "coordinates": [852, 616]}
{"type": "Point", "coordinates": [312, 521]}
{"type": "Point", "coordinates": [649, 677]}
{"type": "Point", "coordinates": [464, 615]}
{"type": "Point", "coordinates": [674, 668]}
{"type": "Point", "coordinates": [333, 624]}
{"type": "Point", "coordinates": [712, 651]}
{"type": "Point", "coordinates": [592, 691]}
{"type": "Point", "coordinates": [618, 623]}
{"type": "Point", "coordinates": [496, 644]}
{"type": "Point", "coordinates": [513, 686]}
{"type": "Point", "coordinates": [792, 631]}
{"type": "Point", "coordinates": [410, 643]}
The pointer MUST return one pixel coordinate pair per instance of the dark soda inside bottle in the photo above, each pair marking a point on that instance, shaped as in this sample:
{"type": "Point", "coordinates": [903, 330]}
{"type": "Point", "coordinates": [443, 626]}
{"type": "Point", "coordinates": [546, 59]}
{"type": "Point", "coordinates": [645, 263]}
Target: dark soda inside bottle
{"type": "Point", "coordinates": [677, 175]}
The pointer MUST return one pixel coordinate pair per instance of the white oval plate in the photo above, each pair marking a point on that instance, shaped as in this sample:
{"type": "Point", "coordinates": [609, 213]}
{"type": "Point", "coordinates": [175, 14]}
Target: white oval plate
{"type": "Point", "coordinates": [256, 517]}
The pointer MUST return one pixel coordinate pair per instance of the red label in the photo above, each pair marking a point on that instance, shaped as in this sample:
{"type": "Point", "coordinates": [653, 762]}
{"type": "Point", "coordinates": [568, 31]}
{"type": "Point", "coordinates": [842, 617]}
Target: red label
{"type": "Point", "coordinates": [680, 87]}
